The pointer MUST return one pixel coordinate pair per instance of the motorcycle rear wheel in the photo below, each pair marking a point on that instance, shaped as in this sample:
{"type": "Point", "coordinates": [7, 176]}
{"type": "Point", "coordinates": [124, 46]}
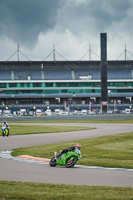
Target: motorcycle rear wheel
{"type": "Point", "coordinates": [70, 163]}
{"type": "Point", "coordinates": [52, 162]}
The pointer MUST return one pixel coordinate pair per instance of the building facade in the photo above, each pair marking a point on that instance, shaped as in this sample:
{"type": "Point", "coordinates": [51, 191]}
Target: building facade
{"type": "Point", "coordinates": [56, 82]}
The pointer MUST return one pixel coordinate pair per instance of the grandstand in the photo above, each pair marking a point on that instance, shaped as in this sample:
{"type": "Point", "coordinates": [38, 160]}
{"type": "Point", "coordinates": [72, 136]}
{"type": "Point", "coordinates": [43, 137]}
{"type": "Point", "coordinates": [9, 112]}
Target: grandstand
{"type": "Point", "coordinates": [77, 82]}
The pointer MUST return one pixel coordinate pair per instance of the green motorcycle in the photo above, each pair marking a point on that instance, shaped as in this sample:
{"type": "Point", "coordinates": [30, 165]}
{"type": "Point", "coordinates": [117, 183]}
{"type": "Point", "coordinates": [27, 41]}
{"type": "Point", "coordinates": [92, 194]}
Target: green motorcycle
{"type": "Point", "coordinates": [68, 159]}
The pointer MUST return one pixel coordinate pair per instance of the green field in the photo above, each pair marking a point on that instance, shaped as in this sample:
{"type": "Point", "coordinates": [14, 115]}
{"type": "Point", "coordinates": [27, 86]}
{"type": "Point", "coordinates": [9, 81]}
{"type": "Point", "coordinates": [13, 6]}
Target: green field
{"type": "Point", "coordinates": [35, 129]}
{"type": "Point", "coordinates": [40, 191]}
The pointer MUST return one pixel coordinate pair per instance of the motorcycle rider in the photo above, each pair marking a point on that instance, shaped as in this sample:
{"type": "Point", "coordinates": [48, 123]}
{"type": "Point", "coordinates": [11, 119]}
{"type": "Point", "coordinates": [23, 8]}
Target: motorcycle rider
{"type": "Point", "coordinates": [5, 124]}
{"type": "Point", "coordinates": [77, 146]}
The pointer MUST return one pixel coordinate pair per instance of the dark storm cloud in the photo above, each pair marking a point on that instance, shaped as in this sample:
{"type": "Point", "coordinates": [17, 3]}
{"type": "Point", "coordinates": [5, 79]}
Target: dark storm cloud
{"type": "Point", "coordinates": [66, 23]}
{"type": "Point", "coordinates": [110, 11]}
{"type": "Point", "coordinates": [93, 14]}
{"type": "Point", "coordinates": [23, 20]}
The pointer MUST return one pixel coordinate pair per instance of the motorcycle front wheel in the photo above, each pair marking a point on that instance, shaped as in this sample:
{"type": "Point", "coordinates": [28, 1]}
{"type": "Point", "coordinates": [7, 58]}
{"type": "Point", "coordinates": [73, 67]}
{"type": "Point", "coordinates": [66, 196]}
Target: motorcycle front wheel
{"type": "Point", "coordinates": [3, 133]}
{"type": "Point", "coordinates": [70, 163]}
{"type": "Point", "coordinates": [7, 133]}
{"type": "Point", "coordinates": [52, 162]}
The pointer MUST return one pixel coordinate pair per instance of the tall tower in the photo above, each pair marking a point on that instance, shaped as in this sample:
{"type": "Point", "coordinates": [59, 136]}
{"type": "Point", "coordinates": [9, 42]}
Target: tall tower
{"type": "Point", "coordinates": [103, 65]}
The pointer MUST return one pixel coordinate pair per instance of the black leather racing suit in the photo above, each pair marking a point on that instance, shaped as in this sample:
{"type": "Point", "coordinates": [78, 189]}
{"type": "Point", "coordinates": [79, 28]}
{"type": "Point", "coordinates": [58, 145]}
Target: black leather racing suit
{"type": "Point", "coordinates": [66, 150]}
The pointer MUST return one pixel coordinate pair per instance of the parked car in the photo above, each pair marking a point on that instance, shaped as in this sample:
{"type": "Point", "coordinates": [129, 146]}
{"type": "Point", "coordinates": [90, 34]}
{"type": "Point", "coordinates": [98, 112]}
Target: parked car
{"type": "Point", "coordinates": [48, 112]}
{"type": "Point", "coordinates": [9, 115]}
{"type": "Point", "coordinates": [110, 111]}
{"type": "Point", "coordinates": [64, 113]}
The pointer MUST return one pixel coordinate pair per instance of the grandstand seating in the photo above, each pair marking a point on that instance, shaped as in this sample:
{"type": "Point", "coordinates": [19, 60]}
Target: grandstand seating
{"type": "Point", "coordinates": [119, 74]}
{"type": "Point", "coordinates": [112, 73]}
{"type": "Point", "coordinates": [64, 74]}
{"type": "Point", "coordinates": [95, 73]}
{"type": "Point", "coordinates": [58, 75]}
{"type": "Point", "coordinates": [24, 74]}
{"type": "Point", "coordinates": [5, 75]}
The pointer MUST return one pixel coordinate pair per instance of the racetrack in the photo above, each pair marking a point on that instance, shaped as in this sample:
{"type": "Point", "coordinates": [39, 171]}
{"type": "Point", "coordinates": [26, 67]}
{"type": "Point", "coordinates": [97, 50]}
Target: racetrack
{"type": "Point", "coordinates": [31, 172]}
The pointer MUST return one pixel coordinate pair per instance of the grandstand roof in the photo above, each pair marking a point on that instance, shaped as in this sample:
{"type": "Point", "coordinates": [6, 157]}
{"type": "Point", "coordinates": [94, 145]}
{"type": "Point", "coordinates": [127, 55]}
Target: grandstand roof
{"type": "Point", "coordinates": [11, 65]}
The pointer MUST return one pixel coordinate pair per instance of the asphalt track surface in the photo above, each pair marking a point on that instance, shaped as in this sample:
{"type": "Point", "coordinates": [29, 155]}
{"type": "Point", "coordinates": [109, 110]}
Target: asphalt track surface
{"type": "Point", "coordinates": [11, 170]}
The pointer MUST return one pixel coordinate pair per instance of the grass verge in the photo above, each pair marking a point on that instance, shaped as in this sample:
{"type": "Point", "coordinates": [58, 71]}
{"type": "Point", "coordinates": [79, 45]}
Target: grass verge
{"type": "Point", "coordinates": [30, 129]}
{"type": "Point", "coordinates": [107, 151]}
{"type": "Point", "coordinates": [34, 191]}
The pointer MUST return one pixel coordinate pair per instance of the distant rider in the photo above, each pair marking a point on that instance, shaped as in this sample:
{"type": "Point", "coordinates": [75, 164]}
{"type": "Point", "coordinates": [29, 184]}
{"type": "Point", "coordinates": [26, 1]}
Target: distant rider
{"type": "Point", "coordinates": [77, 146]}
{"type": "Point", "coordinates": [5, 124]}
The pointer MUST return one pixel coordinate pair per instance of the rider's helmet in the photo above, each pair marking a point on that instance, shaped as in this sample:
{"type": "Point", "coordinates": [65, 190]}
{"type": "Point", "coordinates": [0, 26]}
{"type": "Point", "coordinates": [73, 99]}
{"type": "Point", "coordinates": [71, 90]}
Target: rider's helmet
{"type": "Point", "coordinates": [78, 146]}
{"type": "Point", "coordinates": [4, 122]}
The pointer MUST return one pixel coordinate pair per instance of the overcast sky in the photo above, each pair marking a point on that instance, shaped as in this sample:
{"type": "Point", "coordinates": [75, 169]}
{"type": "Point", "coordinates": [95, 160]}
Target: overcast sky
{"type": "Point", "coordinates": [73, 26]}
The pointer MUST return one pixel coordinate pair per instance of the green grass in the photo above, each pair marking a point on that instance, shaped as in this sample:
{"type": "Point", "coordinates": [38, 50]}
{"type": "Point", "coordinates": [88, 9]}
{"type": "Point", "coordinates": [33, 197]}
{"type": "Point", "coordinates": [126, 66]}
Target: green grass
{"type": "Point", "coordinates": [34, 129]}
{"type": "Point", "coordinates": [107, 151]}
{"type": "Point", "coordinates": [39, 191]}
